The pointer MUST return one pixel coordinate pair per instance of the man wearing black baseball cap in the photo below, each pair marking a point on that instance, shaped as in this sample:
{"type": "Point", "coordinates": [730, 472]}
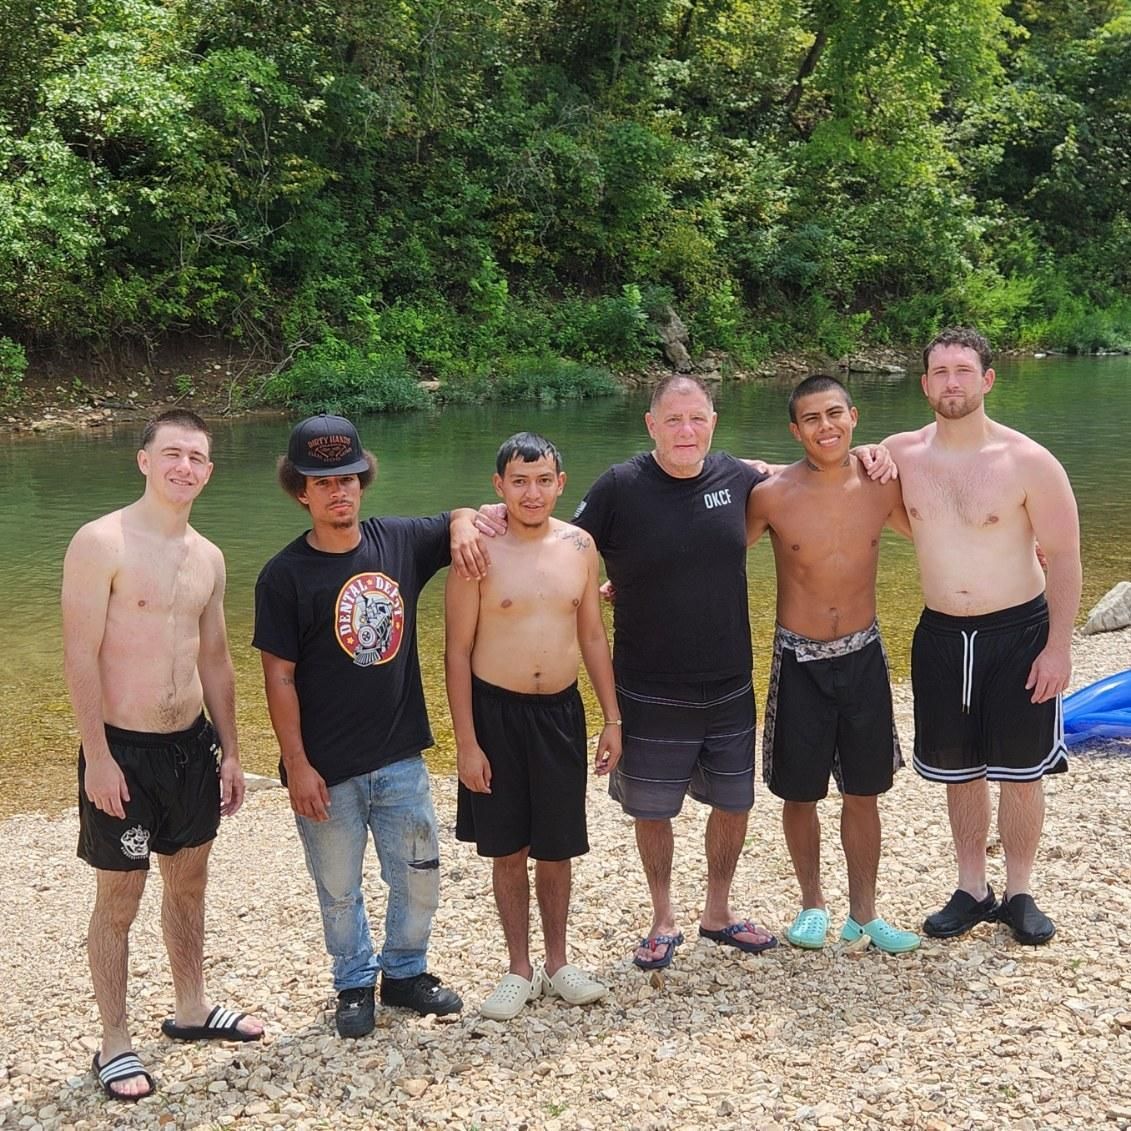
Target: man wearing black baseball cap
{"type": "Point", "coordinates": [324, 443]}
{"type": "Point", "coordinates": [335, 624]}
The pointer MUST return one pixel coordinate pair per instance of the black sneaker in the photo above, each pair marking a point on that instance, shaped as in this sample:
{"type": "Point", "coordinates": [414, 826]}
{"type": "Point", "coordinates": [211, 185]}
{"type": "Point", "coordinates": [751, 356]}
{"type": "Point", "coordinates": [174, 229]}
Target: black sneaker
{"type": "Point", "coordinates": [422, 992]}
{"type": "Point", "coordinates": [1029, 924]}
{"type": "Point", "coordinates": [962, 911]}
{"type": "Point", "coordinates": [354, 1015]}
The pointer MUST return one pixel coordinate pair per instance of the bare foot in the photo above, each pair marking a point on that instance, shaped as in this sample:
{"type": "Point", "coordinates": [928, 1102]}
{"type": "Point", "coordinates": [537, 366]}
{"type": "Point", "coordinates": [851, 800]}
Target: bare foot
{"type": "Point", "coordinates": [251, 1027]}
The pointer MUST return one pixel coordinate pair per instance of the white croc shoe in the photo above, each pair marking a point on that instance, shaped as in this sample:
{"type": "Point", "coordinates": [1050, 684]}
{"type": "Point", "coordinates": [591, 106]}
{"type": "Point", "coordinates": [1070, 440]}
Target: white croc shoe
{"type": "Point", "coordinates": [510, 995]}
{"type": "Point", "coordinates": [573, 985]}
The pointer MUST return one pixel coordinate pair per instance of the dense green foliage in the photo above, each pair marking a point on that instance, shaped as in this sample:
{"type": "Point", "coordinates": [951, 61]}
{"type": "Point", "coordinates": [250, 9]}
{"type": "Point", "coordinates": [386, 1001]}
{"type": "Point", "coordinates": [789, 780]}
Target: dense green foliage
{"type": "Point", "coordinates": [474, 189]}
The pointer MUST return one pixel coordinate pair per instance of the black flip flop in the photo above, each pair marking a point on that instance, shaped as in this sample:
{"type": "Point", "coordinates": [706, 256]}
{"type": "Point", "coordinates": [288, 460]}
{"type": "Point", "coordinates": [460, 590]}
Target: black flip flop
{"type": "Point", "coordinates": [726, 937]}
{"type": "Point", "coordinates": [668, 942]}
{"type": "Point", "coordinates": [124, 1066]}
{"type": "Point", "coordinates": [220, 1025]}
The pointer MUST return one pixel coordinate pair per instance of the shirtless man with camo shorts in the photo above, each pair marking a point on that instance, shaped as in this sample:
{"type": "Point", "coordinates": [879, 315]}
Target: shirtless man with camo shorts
{"type": "Point", "coordinates": [829, 709]}
{"type": "Point", "coordinates": [992, 652]}
{"type": "Point", "coordinates": [145, 651]}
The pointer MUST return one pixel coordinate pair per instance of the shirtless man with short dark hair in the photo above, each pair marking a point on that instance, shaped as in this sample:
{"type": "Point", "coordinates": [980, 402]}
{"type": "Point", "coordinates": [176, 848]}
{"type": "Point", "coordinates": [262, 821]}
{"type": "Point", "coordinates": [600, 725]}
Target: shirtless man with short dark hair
{"type": "Point", "coordinates": [830, 707]}
{"type": "Point", "coordinates": [992, 652]}
{"type": "Point", "coordinates": [145, 651]}
{"type": "Point", "coordinates": [515, 639]}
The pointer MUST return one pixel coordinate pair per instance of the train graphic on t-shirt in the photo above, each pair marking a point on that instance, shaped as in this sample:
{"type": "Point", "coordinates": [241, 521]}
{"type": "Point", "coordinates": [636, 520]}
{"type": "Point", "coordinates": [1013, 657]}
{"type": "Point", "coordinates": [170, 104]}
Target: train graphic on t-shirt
{"type": "Point", "coordinates": [369, 618]}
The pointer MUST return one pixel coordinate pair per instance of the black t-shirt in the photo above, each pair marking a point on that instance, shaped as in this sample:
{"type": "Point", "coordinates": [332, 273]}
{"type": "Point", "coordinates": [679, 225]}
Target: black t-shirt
{"type": "Point", "coordinates": [675, 549]}
{"type": "Point", "coordinates": [348, 621]}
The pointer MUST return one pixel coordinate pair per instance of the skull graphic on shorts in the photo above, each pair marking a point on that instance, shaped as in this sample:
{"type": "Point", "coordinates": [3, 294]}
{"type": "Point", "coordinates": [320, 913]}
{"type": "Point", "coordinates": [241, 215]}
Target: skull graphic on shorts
{"type": "Point", "coordinates": [135, 843]}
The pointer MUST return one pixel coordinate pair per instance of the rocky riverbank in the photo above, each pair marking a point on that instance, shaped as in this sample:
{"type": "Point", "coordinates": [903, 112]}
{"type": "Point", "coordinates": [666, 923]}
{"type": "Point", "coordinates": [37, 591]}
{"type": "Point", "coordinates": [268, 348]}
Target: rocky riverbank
{"type": "Point", "coordinates": [69, 394]}
{"type": "Point", "coordinates": [974, 1033]}
{"type": "Point", "coordinates": [75, 394]}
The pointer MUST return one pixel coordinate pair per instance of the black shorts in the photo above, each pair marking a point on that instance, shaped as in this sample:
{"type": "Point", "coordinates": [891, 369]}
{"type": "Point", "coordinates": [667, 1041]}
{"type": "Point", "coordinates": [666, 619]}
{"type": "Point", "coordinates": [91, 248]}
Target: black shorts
{"type": "Point", "coordinates": [684, 738]}
{"type": "Point", "coordinates": [174, 785]}
{"type": "Point", "coordinates": [829, 711]}
{"type": "Point", "coordinates": [973, 716]}
{"type": "Point", "coordinates": [536, 747]}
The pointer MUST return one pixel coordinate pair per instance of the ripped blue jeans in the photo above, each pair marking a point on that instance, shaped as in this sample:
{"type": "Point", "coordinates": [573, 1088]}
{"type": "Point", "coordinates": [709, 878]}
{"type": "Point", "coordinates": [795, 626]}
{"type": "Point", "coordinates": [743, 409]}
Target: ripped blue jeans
{"type": "Point", "coordinates": [394, 804]}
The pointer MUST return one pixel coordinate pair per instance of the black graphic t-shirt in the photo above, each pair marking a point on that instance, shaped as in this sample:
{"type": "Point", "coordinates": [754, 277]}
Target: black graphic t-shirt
{"type": "Point", "coordinates": [348, 621]}
{"type": "Point", "coordinates": [675, 549]}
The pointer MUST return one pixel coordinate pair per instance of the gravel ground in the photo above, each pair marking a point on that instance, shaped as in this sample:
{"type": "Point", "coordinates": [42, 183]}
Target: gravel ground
{"type": "Point", "coordinates": [977, 1032]}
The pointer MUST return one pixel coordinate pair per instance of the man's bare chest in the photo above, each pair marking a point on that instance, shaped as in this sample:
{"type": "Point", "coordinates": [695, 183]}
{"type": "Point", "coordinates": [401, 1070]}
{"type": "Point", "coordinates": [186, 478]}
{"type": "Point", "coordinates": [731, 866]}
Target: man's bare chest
{"type": "Point", "coordinates": [812, 527]}
{"type": "Point", "coordinates": [976, 495]}
{"type": "Point", "coordinates": [172, 585]}
{"type": "Point", "coordinates": [554, 583]}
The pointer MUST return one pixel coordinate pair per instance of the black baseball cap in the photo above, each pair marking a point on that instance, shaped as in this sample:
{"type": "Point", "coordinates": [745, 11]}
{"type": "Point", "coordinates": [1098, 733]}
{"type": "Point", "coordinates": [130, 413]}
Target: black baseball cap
{"type": "Point", "coordinates": [326, 445]}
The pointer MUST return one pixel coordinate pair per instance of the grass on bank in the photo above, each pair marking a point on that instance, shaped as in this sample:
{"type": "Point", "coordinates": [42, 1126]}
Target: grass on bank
{"type": "Point", "coordinates": [411, 356]}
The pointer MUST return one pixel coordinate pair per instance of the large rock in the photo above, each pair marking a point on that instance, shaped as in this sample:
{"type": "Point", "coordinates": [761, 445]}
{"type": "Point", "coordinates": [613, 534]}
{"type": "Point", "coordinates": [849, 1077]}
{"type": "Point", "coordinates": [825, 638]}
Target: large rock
{"type": "Point", "coordinates": [864, 364]}
{"type": "Point", "coordinates": [1112, 612]}
{"type": "Point", "coordinates": [256, 782]}
{"type": "Point", "coordinates": [675, 340]}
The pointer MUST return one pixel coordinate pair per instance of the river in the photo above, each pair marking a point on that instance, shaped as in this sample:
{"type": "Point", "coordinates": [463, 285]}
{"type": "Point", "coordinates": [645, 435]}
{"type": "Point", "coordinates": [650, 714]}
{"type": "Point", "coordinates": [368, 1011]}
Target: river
{"type": "Point", "coordinates": [1077, 407]}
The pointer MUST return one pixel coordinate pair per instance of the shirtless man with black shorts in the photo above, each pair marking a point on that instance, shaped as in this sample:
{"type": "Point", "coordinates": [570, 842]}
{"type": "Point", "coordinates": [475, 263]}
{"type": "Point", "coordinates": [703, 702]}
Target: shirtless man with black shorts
{"type": "Point", "coordinates": [829, 709]}
{"type": "Point", "coordinates": [992, 652]}
{"type": "Point", "coordinates": [145, 651]}
{"type": "Point", "coordinates": [515, 639]}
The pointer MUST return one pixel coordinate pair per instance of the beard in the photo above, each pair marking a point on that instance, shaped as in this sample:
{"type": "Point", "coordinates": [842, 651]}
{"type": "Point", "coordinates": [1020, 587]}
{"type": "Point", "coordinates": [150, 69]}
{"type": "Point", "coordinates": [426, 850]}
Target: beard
{"type": "Point", "coordinates": [955, 408]}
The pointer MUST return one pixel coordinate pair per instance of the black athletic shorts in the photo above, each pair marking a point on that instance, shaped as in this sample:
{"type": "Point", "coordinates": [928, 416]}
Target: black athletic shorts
{"type": "Point", "coordinates": [174, 785]}
{"type": "Point", "coordinates": [681, 739]}
{"type": "Point", "coordinates": [536, 747]}
{"type": "Point", "coordinates": [829, 711]}
{"type": "Point", "coordinates": [974, 717]}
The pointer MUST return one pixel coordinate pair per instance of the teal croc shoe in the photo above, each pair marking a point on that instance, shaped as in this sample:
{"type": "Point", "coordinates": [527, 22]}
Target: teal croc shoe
{"type": "Point", "coordinates": [809, 929]}
{"type": "Point", "coordinates": [887, 938]}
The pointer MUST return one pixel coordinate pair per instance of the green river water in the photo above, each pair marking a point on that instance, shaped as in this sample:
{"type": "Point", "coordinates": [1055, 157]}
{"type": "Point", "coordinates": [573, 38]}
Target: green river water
{"type": "Point", "coordinates": [1077, 407]}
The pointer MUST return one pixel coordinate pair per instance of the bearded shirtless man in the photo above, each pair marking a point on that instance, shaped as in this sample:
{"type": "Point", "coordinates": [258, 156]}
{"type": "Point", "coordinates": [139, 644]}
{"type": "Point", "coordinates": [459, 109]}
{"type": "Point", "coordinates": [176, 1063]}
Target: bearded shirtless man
{"type": "Point", "coordinates": [992, 652]}
{"type": "Point", "coordinates": [829, 709]}
{"type": "Point", "coordinates": [145, 651]}
{"type": "Point", "coordinates": [515, 639]}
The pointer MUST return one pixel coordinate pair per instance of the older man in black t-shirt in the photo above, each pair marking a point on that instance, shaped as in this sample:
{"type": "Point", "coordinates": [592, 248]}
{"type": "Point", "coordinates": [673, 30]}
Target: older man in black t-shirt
{"type": "Point", "coordinates": [671, 526]}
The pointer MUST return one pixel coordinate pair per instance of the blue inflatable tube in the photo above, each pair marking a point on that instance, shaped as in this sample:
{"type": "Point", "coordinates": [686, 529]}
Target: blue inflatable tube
{"type": "Point", "coordinates": [1100, 710]}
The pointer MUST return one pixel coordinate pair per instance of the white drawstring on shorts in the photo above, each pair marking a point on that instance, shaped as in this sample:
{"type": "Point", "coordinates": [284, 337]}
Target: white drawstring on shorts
{"type": "Point", "coordinates": [967, 668]}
